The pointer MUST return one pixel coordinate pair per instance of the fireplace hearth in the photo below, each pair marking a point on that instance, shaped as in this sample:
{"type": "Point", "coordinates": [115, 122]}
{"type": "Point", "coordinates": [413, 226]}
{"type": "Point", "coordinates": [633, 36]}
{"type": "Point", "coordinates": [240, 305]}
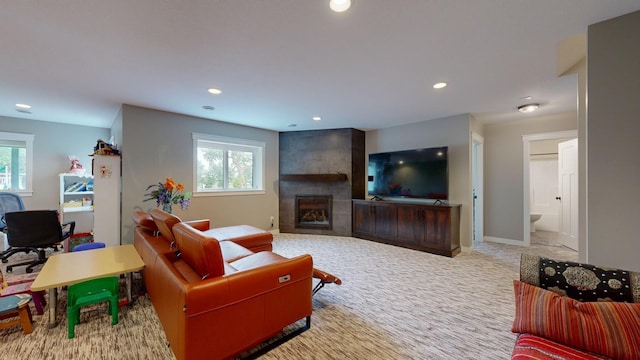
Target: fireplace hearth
{"type": "Point", "coordinates": [314, 211]}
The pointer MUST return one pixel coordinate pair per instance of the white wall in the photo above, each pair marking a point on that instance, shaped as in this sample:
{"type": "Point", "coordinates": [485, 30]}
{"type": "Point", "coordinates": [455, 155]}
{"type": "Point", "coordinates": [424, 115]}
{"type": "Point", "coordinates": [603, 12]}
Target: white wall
{"type": "Point", "coordinates": [52, 143]}
{"type": "Point", "coordinates": [613, 127]}
{"type": "Point", "coordinates": [454, 132]}
{"type": "Point", "coordinates": [158, 144]}
{"type": "Point", "coordinates": [503, 172]}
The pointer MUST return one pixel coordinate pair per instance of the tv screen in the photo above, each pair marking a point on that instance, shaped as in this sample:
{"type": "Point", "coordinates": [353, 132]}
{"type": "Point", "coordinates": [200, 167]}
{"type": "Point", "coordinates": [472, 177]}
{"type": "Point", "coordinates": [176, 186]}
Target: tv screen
{"type": "Point", "coordinates": [419, 173]}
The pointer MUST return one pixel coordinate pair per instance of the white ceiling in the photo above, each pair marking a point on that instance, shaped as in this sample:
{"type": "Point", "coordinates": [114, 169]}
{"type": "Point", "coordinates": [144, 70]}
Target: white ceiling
{"type": "Point", "coordinates": [280, 62]}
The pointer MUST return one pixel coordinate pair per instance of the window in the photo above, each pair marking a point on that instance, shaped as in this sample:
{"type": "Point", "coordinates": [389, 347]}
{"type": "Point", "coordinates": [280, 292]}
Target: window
{"type": "Point", "coordinates": [226, 165]}
{"type": "Point", "coordinates": [16, 163]}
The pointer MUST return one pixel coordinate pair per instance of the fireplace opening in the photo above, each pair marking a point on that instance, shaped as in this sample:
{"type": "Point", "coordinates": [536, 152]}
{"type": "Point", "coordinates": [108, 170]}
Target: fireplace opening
{"type": "Point", "coordinates": [313, 211]}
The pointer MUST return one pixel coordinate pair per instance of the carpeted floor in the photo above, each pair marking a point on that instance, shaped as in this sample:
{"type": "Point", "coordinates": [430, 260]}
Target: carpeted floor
{"type": "Point", "coordinates": [394, 304]}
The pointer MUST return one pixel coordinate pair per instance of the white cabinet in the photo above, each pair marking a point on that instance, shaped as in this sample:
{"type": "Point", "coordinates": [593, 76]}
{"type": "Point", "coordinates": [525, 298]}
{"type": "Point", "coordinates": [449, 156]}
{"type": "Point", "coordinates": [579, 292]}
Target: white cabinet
{"type": "Point", "coordinates": [106, 200]}
{"type": "Point", "coordinates": [76, 200]}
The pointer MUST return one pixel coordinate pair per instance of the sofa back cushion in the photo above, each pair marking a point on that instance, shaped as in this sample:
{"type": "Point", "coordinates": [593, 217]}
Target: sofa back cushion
{"type": "Point", "coordinates": [165, 222]}
{"type": "Point", "coordinates": [199, 251]}
{"type": "Point", "coordinates": [143, 220]}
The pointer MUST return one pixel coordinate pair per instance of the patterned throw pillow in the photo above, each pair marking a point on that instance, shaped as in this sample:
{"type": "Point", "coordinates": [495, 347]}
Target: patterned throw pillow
{"type": "Point", "coordinates": [607, 328]}
{"type": "Point", "coordinates": [585, 282]}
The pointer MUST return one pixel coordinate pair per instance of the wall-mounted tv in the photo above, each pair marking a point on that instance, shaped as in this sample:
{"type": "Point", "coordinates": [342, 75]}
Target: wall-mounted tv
{"type": "Point", "coordinates": [419, 173]}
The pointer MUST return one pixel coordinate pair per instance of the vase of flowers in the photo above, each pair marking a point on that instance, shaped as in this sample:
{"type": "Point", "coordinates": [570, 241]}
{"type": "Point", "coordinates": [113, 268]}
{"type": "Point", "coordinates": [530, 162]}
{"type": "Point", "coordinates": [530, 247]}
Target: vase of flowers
{"type": "Point", "coordinates": [167, 194]}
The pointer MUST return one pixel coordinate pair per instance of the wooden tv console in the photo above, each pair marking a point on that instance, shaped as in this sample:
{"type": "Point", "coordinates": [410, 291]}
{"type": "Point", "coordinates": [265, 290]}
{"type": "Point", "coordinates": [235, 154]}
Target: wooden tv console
{"type": "Point", "coordinates": [424, 227]}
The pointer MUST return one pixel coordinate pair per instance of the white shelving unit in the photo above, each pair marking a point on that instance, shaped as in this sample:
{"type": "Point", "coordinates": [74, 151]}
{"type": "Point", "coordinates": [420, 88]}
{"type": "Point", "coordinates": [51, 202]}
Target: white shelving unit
{"type": "Point", "coordinates": [72, 206]}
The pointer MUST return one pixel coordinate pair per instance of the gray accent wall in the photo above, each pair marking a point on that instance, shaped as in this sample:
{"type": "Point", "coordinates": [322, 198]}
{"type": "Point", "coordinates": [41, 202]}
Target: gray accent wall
{"type": "Point", "coordinates": [452, 131]}
{"type": "Point", "coordinates": [503, 172]}
{"type": "Point", "coordinates": [613, 127]}
{"type": "Point", "coordinates": [158, 144]}
{"type": "Point", "coordinates": [52, 144]}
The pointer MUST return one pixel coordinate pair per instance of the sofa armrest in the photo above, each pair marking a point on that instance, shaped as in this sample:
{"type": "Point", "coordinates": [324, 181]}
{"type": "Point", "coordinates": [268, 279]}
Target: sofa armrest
{"type": "Point", "coordinates": [212, 294]}
{"type": "Point", "coordinates": [202, 224]}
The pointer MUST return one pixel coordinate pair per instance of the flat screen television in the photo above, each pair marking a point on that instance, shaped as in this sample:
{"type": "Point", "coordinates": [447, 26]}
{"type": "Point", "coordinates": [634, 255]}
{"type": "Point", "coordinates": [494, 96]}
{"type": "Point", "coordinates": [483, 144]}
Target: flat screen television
{"type": "Point", "coordinates": [419, 173]}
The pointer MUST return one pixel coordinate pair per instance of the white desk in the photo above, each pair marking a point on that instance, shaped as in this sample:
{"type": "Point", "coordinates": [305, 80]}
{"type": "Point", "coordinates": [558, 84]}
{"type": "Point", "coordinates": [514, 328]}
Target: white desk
{"type": "Point", "coordinates": [70, 268]}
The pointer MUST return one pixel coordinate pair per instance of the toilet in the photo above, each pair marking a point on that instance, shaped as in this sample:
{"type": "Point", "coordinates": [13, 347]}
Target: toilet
{"type": "Point", "coordinates": [534, 218]}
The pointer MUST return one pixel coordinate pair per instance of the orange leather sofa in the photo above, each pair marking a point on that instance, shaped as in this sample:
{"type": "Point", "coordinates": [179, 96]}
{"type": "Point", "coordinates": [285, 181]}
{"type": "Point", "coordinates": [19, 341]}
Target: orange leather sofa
{"type": "Point", "coordinates": [217, 297]}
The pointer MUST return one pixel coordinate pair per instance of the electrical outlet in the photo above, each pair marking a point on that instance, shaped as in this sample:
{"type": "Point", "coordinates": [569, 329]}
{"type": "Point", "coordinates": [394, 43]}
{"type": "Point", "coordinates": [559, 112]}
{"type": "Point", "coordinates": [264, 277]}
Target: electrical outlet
{"type": "Point", "coordinates": [271, 219]}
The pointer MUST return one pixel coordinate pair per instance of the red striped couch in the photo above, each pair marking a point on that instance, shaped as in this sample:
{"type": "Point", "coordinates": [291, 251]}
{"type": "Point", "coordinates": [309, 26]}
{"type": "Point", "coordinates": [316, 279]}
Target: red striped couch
{"type": "Point", "coordinates": [568, 310]}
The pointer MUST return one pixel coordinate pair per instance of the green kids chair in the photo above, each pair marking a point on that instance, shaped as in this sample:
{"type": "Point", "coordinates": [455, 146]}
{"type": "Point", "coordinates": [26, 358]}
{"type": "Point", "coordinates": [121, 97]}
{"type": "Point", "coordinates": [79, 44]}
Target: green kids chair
{"type": "Point", "coordinates": [88, 293]}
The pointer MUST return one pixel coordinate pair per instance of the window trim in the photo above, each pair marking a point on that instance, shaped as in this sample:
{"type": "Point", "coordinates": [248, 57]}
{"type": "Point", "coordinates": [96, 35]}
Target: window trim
{"type": "Point", "coordinates": [28, 139]}
{"type": "Point", "coordinates": [232, 142]}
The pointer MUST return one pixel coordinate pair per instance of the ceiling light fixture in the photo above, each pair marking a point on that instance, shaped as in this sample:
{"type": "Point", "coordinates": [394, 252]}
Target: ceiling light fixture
{"type": "Point", "coordinates": [23, 106]}
{"type": "Point", "coordinates": [439, 85]}
{"type": "Point", "coordinates": [339, 5]}
{"type": "Point", "coordinates": [528, 108]}
{"type": "Point", "coordinates": [316, 118]}
{"type": "Point", "coordinates": [215, 91]}
{"type": "Point", "coordinates": [208, 107]}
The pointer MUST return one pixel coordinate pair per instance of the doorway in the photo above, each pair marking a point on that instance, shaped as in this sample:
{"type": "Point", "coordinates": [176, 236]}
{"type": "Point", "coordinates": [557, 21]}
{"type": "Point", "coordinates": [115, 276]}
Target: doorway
{"type": "Point", "coordinates": [550, 205]}
{"type": "Point", "coordinates": [477, 171]}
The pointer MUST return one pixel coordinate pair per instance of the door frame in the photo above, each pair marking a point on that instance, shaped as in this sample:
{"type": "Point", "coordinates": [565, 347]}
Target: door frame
{"type": "Point", "coordinates": [477, 184]}
{"type": "Point", "coordinates": [526, 173]}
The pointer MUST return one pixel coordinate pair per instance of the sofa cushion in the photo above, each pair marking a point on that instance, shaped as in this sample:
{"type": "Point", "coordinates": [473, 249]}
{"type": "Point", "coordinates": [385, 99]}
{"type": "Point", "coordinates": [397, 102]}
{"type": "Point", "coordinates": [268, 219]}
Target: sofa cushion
{"type": "Point", "coordinates": [232, 251]}
{"type": "Point", "coordinates": [145, 221]}
{"type": "Point", "coordinates": [200, 252]}
{"type": "Point", "coordinates": [165, 222]}
{"type": "Point", "coordinates": [606, 328]}
{"type": "Point", "coordinates": [530, 347]}
{"type": "Point", "coordinates": [251, 237]}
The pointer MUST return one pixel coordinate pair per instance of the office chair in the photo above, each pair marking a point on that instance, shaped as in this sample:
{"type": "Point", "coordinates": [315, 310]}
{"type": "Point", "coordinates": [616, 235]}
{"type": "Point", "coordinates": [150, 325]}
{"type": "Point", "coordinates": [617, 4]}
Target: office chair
{"type": "Point", "coordinates": [9, 202]}
{"type": "Point", "coordinates": [34, 230]}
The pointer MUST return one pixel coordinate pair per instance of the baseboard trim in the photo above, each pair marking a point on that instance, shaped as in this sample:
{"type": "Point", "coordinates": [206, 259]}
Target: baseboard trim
{"type": "Point", "coordinates": [504, 241]}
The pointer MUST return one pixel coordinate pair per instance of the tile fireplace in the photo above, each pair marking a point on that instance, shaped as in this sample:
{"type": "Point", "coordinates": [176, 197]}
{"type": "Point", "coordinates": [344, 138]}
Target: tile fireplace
{"type": "Point", "coordinates": [320, 172]}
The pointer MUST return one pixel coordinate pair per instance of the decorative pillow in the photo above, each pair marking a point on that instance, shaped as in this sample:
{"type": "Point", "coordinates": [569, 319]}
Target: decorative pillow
{"type": "Point", "coordinates": [607, 328]}
{"type": "Point", "coordinates": [532, 347]}
{"type": "Point", "coordinates": [585, 282]}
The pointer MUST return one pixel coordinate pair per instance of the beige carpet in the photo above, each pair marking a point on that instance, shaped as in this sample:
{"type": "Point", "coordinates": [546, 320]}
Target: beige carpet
{"type": "Point", "coordinates": [394, 304]}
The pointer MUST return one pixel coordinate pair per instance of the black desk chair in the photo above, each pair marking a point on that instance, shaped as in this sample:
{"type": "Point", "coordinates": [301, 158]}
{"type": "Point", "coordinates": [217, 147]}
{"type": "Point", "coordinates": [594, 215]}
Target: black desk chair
{"type": "Point", "coordinates": [34, 230]}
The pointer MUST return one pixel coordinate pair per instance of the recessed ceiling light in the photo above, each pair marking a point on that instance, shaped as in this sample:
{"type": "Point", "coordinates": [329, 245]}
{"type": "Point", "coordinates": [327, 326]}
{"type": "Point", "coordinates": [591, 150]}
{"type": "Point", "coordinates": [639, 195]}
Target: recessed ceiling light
{"type": "Point", "coordinates": [528, 108]}
{"type": "Point", "coordinates": [526, 98]}
{"type": "Point", "coordinates": [208, 107]}
{"type": "Point", "coordinates": [316, 118]}
{"type": "Point", "coordinates": [339, 5]}
{"type": "Point", "coordinates": [215, 91]}
{"type": "Point", "coordinates": [439, 85]}
{"type": "Point", "coordinates": [23, 106]}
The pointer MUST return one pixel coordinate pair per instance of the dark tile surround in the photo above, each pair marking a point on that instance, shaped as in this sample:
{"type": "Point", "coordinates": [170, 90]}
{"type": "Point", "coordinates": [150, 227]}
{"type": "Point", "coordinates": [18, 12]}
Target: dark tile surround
{"type": "Point", "coordinates": [322, 152]}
